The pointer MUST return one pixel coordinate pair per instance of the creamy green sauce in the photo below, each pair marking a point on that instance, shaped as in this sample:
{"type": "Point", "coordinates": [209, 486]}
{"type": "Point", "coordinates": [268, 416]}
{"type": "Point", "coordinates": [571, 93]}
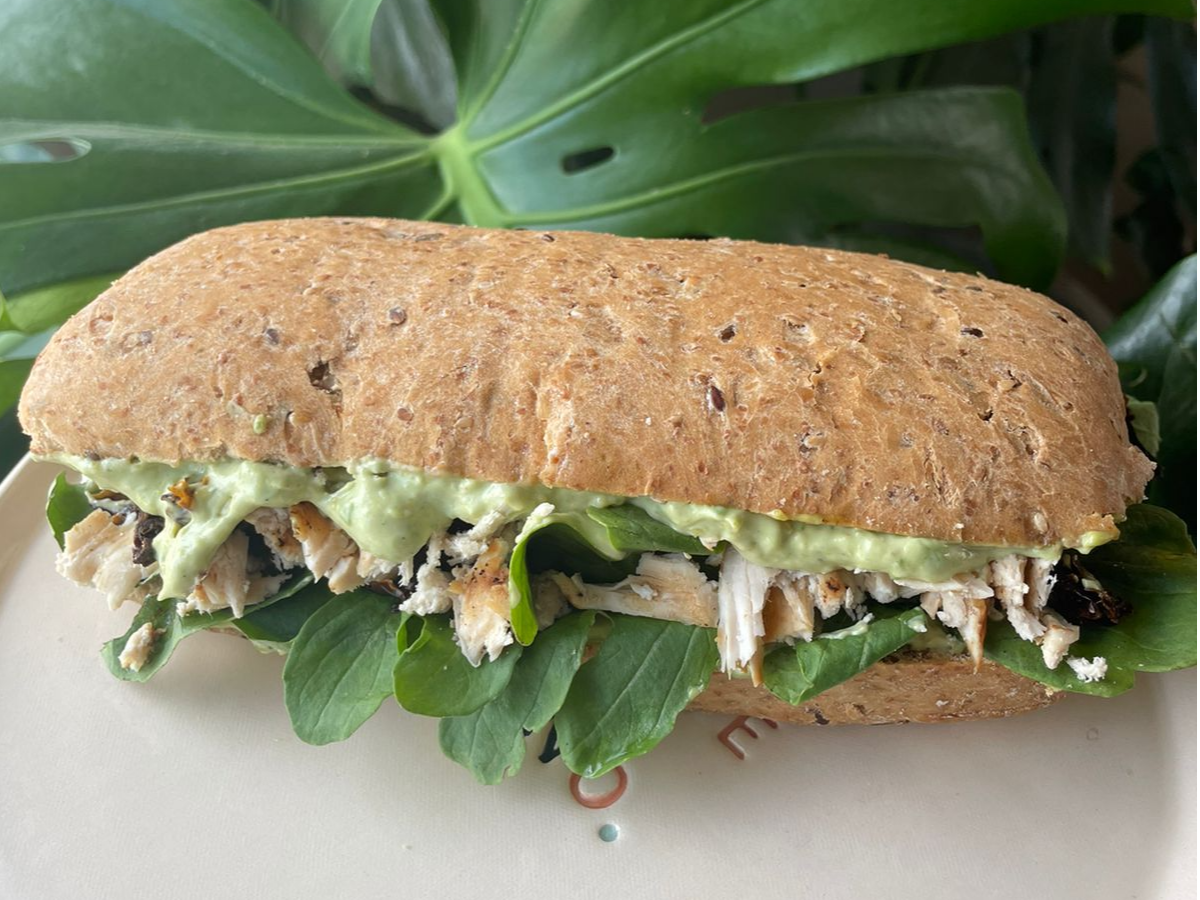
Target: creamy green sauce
{"type": "Point", "coordinates": [392, 512]}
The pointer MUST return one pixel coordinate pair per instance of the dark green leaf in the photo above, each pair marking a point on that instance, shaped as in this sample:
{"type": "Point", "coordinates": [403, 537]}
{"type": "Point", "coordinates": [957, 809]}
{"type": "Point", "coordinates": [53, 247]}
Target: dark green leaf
{"type": "Point", "coordinates": [637, 86]}
{"type": "Point", "coordinates": [1072, 102]}
{"type": "Point", "coordinates": [433, 678]}
{"type": "Point", "coordinates": [625, 699]}
{"type": "Point", "coordinates": [1143, 419]}
{"type": "Point", "coordinates": [13, 373]}
{"type": "Point", "coordinates": [158, 158]}
{"type": "Point", "coordinates": [410, 61]}
{"type": "Point", "coordinates": [1171, 57]}
{"type": "Point", "coordinates": [560, 547]}
{"type": "Point", "coordinates": [799, 673]}
{"type": "Point", "coordinates": [66, 506]}
{"type": "Point", "coordinates": [338, 32]}
{"type": "Point", "coordinates": [170, 629]}
{"type": "Point", "coordinates": [339, 667]}
{"type": "Point", "coordinates": [96, 147]}
{"type": "Point", "coordinates": [491, 741]}
{"type": "Point", "coordinates": [1154, 226]}
{"type": "Point", "coordinates": [554, 544]}
{"type": "Point", "coordinates": [1155, 346]}
{"type": "Point", "coordinates": [633, 530]}
{"type": "Point", "coordinates": [13, 443]}
{"type": "Point", "coordinates": [168, 632]}
{"type": "Point", "coordinates": [279, 623]}
{"type": "Point", "coordinates": [1153, 567]}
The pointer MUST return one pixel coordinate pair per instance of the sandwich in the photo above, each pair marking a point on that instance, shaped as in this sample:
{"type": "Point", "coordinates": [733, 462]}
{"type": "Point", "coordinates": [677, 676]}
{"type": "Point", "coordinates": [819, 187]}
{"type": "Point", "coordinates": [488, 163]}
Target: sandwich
{"type": "Point", "coordinates": [520, 480]}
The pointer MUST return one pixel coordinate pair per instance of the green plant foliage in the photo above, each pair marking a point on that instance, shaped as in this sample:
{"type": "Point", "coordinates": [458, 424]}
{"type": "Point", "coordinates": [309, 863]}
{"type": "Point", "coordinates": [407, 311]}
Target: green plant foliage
{"type": "Point", "coordinates": [1155, 346]}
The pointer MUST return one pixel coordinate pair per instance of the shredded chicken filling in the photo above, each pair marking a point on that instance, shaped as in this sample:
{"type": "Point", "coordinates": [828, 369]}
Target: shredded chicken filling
{"type": "Point", "coordinates": [465, 573]}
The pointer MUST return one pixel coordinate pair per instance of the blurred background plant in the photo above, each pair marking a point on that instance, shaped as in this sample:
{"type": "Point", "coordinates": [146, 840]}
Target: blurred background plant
{"type": "Point", "coordinates": [1046, 142]}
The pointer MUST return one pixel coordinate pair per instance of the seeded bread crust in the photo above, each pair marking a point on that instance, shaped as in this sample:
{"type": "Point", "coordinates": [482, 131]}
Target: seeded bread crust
{"type": "Point", "coordinates": [812, 382]}
{"type": "Point", "coordinates": [907, 687]}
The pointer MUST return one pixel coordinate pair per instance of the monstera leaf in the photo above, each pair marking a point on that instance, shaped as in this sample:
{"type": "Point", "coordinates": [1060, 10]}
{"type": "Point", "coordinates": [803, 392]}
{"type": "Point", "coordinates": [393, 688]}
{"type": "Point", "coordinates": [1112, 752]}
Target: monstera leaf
{"type": "Point", "coordinates": [128, 124]}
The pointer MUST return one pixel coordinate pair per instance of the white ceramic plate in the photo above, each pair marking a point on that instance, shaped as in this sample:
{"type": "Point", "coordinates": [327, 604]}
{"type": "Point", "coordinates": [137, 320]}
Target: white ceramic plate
{"type": "Point", "coordinates": [192, 785]}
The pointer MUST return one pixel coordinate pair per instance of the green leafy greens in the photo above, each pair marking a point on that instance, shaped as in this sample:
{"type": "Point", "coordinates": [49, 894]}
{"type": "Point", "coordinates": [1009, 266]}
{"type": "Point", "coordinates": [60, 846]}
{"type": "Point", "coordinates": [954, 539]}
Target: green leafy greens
{"type": "Point", "coordinates": [340, 666]}
{"type": "Point", "coordinates": [1154, 345]}
{"type": "Point", "coordinates": [490, 742]}
{"type": "Point", "coordinates": [799, 673]}
{"type": "Point", "coordinates": [66, 506]}
{"type": "Point", "coordinates": [1153, 566]}
{"type": "Point", "coordinates": [171, 628]}
{"type": "Point", "coordinates": [625, 699]}
{"type": "Point", "coordinates": [433, 678]}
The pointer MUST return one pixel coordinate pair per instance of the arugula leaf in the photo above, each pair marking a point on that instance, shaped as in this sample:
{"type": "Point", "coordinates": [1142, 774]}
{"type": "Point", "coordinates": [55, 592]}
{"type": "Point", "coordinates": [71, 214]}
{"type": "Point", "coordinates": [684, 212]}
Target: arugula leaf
{"type": "Point", "coordinates": [66, 506]}
{"type": "Point", "coordinates": [1153, 567]}
{"type": "Point", "coordinates": [278, 624]}
{"type": "Point", "coordinates": [625, 699]}
{"type": "Point", "coordinates": [633, 530]}
{"type": "Point", "coordinates": [796, 674]}
{"type": "Point", "coordinates": [491, 741]}
{"type": "Point", "coordinates": [339, 667]}
{"type": "Point", "coordinates": [433, 678]}
{"type": "Point", "coordinates": [552, 543]}
{"type": "Point", "coordinates": [1155, 346]}
{"type": "Point", "coordinates": [171, 628]}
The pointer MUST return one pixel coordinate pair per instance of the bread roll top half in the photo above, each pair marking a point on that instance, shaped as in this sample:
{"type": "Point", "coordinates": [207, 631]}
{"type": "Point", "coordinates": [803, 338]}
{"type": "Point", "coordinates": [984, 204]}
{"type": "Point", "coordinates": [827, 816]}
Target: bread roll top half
{"type": "Point", "coordinates": [846, 388]}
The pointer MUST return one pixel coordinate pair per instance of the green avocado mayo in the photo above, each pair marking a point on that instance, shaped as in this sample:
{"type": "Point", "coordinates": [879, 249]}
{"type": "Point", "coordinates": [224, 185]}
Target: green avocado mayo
{"type": "Point", "coordinates": [392, 511]}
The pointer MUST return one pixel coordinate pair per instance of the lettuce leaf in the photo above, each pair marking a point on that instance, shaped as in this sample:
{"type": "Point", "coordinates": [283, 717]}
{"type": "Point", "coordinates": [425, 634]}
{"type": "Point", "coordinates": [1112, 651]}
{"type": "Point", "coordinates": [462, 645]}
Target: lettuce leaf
{"type": "Point", "coordinates": [491, 741]}
{"type": "Point", "coordinates": [799, 673]}
{"type": "Point", "coordinates": [625, 699]}
{"type": "Point", "coordinates": [1153, 566]}
{"type": "Point", "coordinates": [339, 667]}
{"type": "Point", "coordinates": [433, 678]}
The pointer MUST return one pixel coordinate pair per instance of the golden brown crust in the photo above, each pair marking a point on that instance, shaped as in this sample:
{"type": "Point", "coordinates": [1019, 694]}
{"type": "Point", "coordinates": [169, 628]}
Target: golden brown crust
{"type": "Point", "coordinates": [854, 388]}
{"type": "Point", "coordinates": [909, 687]}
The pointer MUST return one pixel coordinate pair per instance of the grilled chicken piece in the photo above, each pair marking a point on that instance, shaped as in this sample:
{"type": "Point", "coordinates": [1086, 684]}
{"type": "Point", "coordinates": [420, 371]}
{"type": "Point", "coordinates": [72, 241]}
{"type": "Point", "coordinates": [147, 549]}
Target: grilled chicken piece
{"type": "Point", "coordinates": [1007, 576]}
{"type": "Point", "coordinates": [664, 586]}
{"type": "Point", "coordinates": [328, 551]}
{"type": "Point", "coordinates": [98, 552]}
{"type": "Point", "coordinates": [228, 581]}
{"type": "Point", "coordinates": [1060, 635]}
{"type": "Point", "coordinates": [839, 590]}
{"type": "Point", "coordinates": [468, 545]}
{"type": "Point", "coordinates": [275, 526]}
{"type": "Point", "coordinates": [963, 612]}
{"type": "Point", "coordinates": [788, 612]}
{"type": "Point", "coordinates": [481, 607]}
{"type": "Point", "coordinates": [138, 648]}
{"type": "Point", "coordinates": [432, 592]}
{"type": "Point", "coordinates": [741, 595]}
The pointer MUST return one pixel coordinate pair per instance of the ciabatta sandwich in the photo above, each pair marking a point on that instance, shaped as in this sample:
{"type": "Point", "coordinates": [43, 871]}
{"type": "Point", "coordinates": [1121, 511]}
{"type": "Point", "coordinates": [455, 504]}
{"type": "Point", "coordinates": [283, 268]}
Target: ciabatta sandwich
{"type": "Point", "coordinates": [517, 478]}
